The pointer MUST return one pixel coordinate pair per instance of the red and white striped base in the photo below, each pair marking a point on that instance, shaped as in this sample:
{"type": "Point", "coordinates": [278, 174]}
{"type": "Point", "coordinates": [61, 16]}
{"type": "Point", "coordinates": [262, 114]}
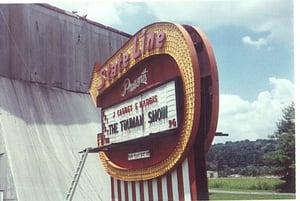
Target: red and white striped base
{"type": "Point", "coordinates": [179, 185]}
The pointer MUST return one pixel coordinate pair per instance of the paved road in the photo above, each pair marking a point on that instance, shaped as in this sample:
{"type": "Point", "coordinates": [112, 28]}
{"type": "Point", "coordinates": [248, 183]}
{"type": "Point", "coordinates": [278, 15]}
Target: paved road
{"type": "Point", "coordinates": [241, 192]}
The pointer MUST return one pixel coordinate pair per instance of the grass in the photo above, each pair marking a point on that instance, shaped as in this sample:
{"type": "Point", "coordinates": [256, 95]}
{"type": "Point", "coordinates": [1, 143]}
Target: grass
{"type": "Point", "coordinates": [245, 184]}
{"type": "Point", "coordinates": [248, 196]}
{"type": "Point", "coordinates": [246, 188]}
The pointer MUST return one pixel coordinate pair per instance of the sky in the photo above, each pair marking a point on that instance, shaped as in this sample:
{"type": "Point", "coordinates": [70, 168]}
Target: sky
{"type": "Point", "coordinates": [253, 42]}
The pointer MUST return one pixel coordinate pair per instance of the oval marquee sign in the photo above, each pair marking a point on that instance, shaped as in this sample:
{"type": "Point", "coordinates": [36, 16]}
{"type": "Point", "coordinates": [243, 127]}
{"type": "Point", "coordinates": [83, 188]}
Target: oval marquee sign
{"type": "Point", "coordinates": [151, 95]}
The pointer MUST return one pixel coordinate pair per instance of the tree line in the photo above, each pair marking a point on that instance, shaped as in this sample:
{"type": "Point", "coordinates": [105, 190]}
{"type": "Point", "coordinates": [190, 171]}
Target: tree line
{"type": "Point", "coordinates": [241, 157]}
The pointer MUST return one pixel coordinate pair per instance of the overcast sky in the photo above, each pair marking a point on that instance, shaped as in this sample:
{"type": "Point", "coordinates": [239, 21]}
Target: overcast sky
{"type": "Point", "coordinates": [253, 45]}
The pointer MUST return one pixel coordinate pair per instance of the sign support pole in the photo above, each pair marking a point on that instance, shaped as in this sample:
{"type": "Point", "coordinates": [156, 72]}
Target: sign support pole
{"type": "Point", "coordinates": [201, 176]}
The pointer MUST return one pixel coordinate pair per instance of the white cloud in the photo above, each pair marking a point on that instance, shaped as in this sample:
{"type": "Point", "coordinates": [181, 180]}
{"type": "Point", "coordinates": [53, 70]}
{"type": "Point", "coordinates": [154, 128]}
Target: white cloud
{"type": "Point", "coordinates": [257, 43]}
{"type": "Point", "coordinates": [253, 120]}
{"type": "Point", "coordinates": [273, 16]}
{"type": "Point", "coordinates": [105, 12]}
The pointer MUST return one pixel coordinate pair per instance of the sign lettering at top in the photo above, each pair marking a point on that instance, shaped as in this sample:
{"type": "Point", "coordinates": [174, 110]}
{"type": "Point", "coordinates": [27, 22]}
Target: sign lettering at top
{"type": "Point", "coordinates": [151, 112]}
{"type": "Point", "coordinates": [145, 43]}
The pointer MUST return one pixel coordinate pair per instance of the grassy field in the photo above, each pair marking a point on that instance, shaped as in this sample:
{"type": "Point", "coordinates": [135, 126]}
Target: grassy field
{"type": "Point", "coordinates": [227, 196]}
{"type": "Point", "coordinates": [247, 185]}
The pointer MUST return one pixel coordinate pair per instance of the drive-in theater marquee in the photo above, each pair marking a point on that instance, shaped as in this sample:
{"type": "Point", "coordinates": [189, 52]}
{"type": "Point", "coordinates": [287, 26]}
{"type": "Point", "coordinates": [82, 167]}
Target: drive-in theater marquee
{"type": "Point", "coordinates": [157, 94]}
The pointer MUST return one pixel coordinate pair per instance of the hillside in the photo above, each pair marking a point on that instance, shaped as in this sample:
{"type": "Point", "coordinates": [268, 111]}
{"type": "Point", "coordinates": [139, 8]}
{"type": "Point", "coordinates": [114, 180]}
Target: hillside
{"type": "Point", "coordinates": [240, 157]}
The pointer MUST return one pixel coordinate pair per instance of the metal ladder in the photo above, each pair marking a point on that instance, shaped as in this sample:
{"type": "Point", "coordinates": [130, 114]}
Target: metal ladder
{"type": "Point", "coordinates": [77, 174]}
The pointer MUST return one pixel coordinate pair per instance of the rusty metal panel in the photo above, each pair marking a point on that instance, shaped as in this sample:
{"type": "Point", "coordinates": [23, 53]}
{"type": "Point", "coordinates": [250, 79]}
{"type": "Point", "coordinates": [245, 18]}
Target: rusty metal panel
{"type": "Point", "coordinates": [42, 130]}
{"type": "Point", "coordinates": [40, 44]}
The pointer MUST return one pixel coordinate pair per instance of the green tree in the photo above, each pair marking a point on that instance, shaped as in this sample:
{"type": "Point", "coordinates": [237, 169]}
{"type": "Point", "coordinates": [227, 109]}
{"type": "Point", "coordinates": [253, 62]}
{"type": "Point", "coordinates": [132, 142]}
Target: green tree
{"type": "Point", "coordinates": [283, 159]}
